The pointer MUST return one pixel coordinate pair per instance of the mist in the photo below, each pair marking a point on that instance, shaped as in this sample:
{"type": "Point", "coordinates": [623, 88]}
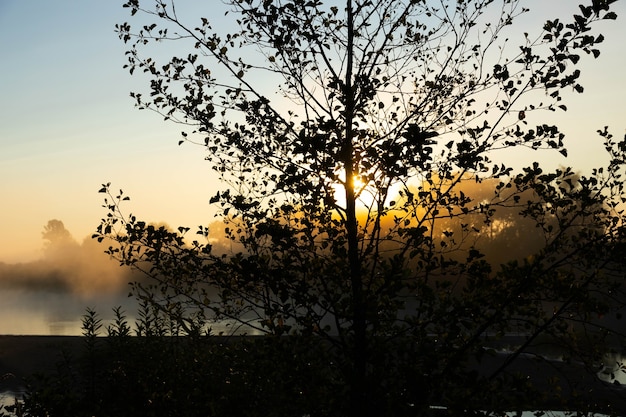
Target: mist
{"type": "Point", "coordinates": [49, 296]}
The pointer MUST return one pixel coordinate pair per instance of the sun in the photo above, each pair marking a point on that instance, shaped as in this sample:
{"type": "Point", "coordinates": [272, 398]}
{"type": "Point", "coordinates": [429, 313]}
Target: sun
{"type": "Point", "coordinates": [366, 195]}
{"type": "Point", "coordinates": [358, 183]}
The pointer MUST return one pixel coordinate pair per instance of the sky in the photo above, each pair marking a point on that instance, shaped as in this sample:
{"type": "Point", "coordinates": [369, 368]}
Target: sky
{"type": "Point", "coordinates": [68, 125]}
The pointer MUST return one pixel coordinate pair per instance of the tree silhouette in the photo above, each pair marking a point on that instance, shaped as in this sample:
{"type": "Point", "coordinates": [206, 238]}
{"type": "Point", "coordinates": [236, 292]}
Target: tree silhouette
{"type": "Point", "coordinates": [56, 236]}
{"type": "Point", "coordinates": [347, 136]}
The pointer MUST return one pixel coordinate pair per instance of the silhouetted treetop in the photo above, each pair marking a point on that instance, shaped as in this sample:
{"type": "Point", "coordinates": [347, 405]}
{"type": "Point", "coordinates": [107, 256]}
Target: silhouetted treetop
{"type": "Point", "coordinates": [358, 142]}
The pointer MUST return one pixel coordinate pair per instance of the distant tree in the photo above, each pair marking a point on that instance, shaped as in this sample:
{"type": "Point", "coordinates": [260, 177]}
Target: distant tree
{"type": "Point", "coordinates": [55, 231]}
{"type": "Point", "coordinates": [347, 135]}
{"type": "Point", "coordinates": [57, 237]}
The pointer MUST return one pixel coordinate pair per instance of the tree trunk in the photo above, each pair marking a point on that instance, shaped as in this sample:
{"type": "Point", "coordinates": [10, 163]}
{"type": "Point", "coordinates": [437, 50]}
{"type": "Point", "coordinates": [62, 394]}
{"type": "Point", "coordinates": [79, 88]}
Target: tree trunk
{"type": "Point", "coordinates": [359, 387]}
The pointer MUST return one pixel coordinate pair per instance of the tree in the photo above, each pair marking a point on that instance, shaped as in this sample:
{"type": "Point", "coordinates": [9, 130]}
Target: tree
{"type": "Point", "coordinates": [347, 189]}
{"type": "Point", "coordinates": [57, 237]}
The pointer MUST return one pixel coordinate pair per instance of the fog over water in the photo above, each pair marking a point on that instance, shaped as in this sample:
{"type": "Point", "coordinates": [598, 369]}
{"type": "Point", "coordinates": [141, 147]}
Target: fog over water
{"type": "Point", "coordinates": [49, 296]}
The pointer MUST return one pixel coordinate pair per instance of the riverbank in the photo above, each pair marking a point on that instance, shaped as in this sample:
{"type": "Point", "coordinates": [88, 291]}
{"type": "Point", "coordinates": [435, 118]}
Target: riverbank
{"type": "Point", "coordinates": [24, 356]}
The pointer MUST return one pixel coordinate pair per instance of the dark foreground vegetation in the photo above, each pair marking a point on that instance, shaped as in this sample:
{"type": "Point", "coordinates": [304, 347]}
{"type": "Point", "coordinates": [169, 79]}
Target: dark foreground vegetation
{"type": "Point", "coordinates": [185, 376]}
{"type": "Point", "coordinates": [155, 373]}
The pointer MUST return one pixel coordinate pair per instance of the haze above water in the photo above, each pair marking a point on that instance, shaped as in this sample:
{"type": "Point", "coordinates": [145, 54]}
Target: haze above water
{"type": "Point", "coordinates": [49, 296]}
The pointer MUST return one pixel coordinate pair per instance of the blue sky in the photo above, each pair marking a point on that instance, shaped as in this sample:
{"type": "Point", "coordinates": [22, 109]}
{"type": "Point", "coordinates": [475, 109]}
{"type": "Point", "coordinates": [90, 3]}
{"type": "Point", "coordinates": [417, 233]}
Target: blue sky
{"type": "Point", "coordinates": [67, 123]}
